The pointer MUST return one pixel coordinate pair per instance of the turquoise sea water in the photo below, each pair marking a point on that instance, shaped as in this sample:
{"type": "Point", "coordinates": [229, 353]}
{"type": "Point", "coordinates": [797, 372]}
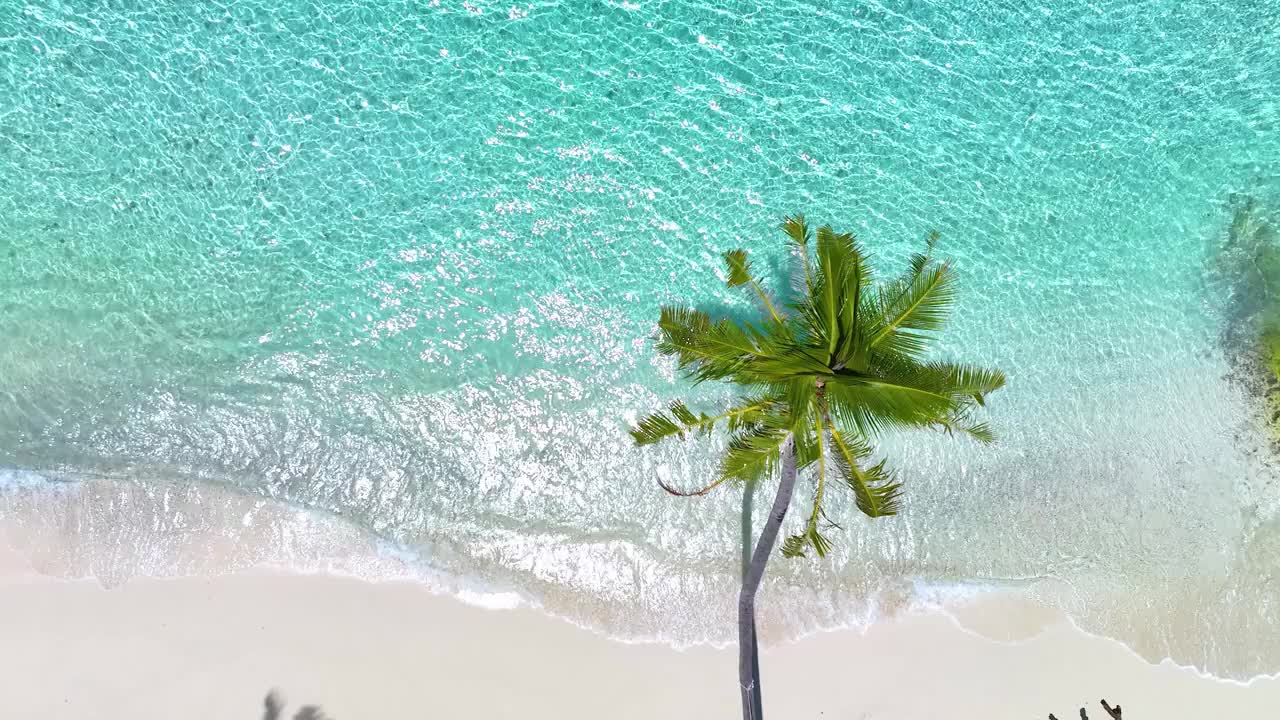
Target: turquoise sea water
{"type": "Point", "coordinates": [398, 263]}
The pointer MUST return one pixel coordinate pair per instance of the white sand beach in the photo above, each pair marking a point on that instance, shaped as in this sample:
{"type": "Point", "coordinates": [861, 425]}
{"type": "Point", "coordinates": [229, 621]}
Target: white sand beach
{"type": "Point", "coordinates": [213, 638]}
{"type": "Point", "coordinates": [211, 647]}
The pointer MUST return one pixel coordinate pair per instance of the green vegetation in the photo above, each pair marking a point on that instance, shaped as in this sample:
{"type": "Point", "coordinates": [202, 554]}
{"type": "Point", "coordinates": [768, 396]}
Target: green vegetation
{"type": "Point", "coordinates": [1250, 259]}
{"type": "Point", "coordinates": [1269, 348]}
{"type": "Point", "coordinates": [821, 378]}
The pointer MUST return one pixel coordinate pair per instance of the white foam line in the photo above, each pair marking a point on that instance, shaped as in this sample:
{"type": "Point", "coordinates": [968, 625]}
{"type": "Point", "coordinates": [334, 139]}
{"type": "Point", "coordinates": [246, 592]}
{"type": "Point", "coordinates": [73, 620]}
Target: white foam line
{"type": "Point", "coordinates": [926, 597]}
{"type": "Point", "coordinates": [1075, 626]}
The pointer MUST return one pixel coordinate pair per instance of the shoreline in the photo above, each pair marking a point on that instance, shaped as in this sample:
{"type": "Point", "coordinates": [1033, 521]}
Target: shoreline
{"type": "Point", "coordinates": [236, 535]}
{"type": "Point", "coordinates": [985, 610]}
{"type": "Point", "coordinates": [151, 647]}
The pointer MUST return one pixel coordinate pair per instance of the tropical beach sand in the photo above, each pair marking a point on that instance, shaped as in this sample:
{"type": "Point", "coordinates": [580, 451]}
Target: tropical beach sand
{"type": "Point", "coordinates": [211, 647]}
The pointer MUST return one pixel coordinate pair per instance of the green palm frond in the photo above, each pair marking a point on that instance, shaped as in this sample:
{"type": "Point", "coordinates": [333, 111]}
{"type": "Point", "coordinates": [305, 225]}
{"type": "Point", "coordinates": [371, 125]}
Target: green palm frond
{"type": "Point", "coordinates": [816, 330]}
{"type": "Point", "coordinates": [875, 491]}
{"type": "Point", "coordinates": [964, 422]}
{"type": "Point", "coordinates": [919, 302]}
{"type": "Point", "coordinates": [786, 365]}
{"type": "Point", "coordinates": [752, 411]}
{"type": "Point", "coordinates": [910, 395]}
{"type": "Point", "coordinates": [739, 267]}
{"type": "Point", "coordinates": [963, 380]}
{"type": "Point", "coordinates": [682, 333]}
{"type": "Point", "coordinates": [961, 383]}
{"type": "Point", "coordinates": [678, 422]}
{"type": "Point", "coordinates": [806, 446]}
{"type": "Point", "coordinates": [920, 260]}
{"type": "Point", "coordinates": [798, 230]}
{"type": "Point", "coordinates": [901, 344]}
{"type": "Point", "coordinates": [801, 397]}
{"type": "Point", "coordinates": [655, 428]}
{"type": "Point", "coordinates": [834, 253]}
{"type": "Point", "coordinates": [749, 417]}
{"type": "Point", "coordinates": [873, 405]}
{"type": "Point", "coordinates": [796, 545]}
{"type": "Point", "coordinates": [853, 348]}
{"type": "Point", "coordinates": [709, 350]}
{"type": "Point", "coordinates": [752, 454]}
{"type": "Point", "coordinates": [793, 546]}
{"type": "Point", "coordinates": [831, 312]}
{"type": "Point", "coordinates": [820, 490]}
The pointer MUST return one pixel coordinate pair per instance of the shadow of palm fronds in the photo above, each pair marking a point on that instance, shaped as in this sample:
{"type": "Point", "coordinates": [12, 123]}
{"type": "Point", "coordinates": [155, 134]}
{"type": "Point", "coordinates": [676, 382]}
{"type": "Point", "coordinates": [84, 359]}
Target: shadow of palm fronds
{"type": "Point", "coordinates": [273, 709]}
{"type": "Point", "coordinates": [1114, 712]}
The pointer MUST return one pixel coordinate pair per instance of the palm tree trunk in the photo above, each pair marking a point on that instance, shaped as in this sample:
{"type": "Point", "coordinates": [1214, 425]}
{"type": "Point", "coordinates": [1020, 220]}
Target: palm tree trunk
{"type": "Point", "coordinates": [749, 682]}
{"type": "Point", "coordinates": [748, 522]}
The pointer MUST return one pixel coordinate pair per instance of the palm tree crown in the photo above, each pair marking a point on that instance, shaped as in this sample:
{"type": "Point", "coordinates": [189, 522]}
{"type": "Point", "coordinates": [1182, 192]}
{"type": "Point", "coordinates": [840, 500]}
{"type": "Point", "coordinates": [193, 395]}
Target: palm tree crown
{"type": "Point", "coordinates": [832, 371]}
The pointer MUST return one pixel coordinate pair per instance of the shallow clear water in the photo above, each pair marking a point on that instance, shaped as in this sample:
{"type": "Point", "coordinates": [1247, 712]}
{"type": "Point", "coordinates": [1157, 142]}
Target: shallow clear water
{"type": "Point", "coordinates": [399, 263]}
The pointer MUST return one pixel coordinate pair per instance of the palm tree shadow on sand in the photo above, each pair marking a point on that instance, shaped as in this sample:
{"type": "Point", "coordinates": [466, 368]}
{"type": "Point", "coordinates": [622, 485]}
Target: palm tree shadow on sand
{"type": "Point", "coordinates": [273, 709]}
{"type": "Point", "coordinates": [1114, 712]}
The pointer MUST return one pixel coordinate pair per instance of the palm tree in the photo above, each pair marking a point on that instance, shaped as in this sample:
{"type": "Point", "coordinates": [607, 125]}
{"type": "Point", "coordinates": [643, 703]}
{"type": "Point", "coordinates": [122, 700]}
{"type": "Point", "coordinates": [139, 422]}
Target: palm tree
{"type": "Point", "coordinates": [821, 379]}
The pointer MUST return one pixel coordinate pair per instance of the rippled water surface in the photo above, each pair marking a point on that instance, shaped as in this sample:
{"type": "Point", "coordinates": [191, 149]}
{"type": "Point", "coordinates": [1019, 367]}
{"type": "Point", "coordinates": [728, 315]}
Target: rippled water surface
{"type": "Point", "coordinates": [398, 263]}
